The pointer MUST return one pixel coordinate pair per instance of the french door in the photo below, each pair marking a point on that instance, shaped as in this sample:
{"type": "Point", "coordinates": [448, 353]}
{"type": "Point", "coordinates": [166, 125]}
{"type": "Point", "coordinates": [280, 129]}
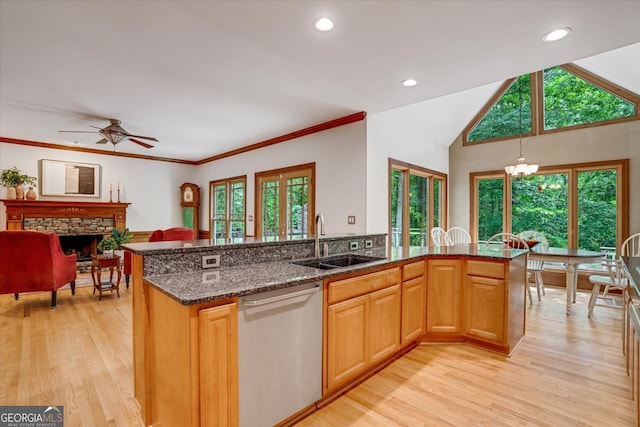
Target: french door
{"type": "Point", "coordinates": [285, 203]}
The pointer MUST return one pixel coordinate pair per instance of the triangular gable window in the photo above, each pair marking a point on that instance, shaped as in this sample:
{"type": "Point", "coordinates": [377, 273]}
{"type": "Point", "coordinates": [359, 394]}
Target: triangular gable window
{"type": "Point", "coordinates": [505, 118]}
{"type": "Point", "coordinates": [570, 100]}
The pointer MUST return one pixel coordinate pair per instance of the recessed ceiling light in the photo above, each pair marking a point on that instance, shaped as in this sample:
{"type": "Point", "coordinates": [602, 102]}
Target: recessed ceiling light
{"type": "Point", "coordinates": [323, 24]}
{"type": "Point", "coordinates": [409, 82]}
{"type": "Point", "coordinates": [556, 35]}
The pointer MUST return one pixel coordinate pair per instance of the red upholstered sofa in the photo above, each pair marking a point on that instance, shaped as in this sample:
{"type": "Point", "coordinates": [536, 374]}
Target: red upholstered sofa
{"type": "Point", "coordinates": [175, 233]}
{"type": "Point", "coordinates": [32, 261]}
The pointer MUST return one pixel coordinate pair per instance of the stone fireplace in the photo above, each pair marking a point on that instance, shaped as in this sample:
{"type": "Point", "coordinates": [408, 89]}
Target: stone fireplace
{"type": "Point", "coordinates": [80, 225]}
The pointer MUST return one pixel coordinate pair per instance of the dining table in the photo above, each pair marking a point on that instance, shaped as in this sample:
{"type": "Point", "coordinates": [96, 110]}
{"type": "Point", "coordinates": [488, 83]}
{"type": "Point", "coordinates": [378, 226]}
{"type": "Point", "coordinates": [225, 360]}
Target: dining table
{"type": "Point", "coordinates": [572, 258]}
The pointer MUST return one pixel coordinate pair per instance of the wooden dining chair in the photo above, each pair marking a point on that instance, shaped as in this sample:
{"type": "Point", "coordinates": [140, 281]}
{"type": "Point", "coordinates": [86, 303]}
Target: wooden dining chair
{"type": "Point", "coordinates": [439, 236]}
{"type": "Point", "coordinates": [458, 236]}
{"type": "Point", "coordinates": [535, 267]}
{"type": "Point", "coordinates": [631, 246]}
{"type": "Point", "coordinates": [614, 280]}
{"type": "Point", "coordinates": [509, 240]}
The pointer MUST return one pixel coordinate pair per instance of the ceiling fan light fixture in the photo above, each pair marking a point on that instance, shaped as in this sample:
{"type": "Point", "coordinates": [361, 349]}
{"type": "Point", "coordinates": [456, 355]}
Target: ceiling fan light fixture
{"type": "Point", "coordinates": [323, 24]}
{"type": "Point", "coordinates": [557, 34]}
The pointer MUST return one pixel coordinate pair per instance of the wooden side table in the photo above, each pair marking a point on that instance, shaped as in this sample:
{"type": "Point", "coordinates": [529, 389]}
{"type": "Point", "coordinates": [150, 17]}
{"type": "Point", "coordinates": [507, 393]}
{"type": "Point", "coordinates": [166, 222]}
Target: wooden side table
{"type": "Point", "coordinates": [100, 262]}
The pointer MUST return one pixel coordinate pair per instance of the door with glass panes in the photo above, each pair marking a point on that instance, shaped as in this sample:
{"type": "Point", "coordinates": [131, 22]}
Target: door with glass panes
{"type": "Point", "coordinates": [285, 208]}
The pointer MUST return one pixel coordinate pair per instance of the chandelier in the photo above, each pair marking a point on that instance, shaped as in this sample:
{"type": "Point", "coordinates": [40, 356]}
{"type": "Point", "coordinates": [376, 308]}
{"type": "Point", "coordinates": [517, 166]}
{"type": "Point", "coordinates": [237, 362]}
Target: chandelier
{"type": "Point", "coordinates": [521, 168]}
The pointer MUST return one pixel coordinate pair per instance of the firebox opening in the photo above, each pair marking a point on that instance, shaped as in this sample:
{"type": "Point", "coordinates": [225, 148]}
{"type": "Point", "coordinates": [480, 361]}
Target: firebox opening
{"type": "Point", "coordinates": [84, 245]}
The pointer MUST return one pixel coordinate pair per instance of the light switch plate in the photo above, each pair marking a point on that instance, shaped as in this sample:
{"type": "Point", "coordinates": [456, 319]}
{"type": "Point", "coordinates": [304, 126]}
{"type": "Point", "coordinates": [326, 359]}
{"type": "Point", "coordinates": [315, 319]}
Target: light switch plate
{"type": "Point", "coordinates": [368, 244]}
{"type": "Point", "coordinates": [351, 219]}
{"type": "Point", "coordinates": [353, 246]}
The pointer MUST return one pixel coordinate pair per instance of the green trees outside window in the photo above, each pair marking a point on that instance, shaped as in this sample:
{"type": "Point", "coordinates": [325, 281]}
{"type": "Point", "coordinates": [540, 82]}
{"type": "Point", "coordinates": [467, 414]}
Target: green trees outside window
{"type": "Point", "coordinates": [570, 97]}
{"type": "Point", "coordinates": [571, 101]}
{"type": "Point", "coordinates": [416, 203]}
{"type": "Point", "coordinates": [503, 118]}
{"type": "Point", "coordinates": [228, 209]}
{"type": "Point", "coordinates": [583, 201]}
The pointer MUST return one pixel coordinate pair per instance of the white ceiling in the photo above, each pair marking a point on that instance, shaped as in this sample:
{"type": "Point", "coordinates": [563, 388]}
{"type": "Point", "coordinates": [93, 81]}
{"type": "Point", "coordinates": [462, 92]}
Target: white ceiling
{"type": "Point", "coordinates": [207, 77]}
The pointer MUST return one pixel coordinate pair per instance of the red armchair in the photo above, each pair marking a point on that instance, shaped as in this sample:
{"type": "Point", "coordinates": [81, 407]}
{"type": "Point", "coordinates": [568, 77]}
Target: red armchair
{"type": "Point", "coordinates": [33, 261]}
{"type": "Point", "coordinates": [175, 233]}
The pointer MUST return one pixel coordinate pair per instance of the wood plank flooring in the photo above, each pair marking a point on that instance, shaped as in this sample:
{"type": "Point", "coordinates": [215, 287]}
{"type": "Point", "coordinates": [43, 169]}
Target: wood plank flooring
{"type": "Point", "coordinates": [569, 371]}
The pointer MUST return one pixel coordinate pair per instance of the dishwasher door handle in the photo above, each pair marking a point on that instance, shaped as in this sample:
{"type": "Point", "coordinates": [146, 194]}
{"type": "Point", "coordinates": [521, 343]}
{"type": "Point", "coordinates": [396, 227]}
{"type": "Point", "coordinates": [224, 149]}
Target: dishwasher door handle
{"type": "Point", "coordinates": [269, 300]}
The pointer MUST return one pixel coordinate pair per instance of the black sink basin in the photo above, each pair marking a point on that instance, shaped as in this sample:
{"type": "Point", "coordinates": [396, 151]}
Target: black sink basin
{"type": "Point", "coordinates": [336, 261]}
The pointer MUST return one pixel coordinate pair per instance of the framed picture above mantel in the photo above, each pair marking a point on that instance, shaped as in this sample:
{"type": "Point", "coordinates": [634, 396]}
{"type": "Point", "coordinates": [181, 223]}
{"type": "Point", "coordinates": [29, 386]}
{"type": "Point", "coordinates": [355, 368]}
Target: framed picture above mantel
{"type": "Point", "coordinates": [69, 179]}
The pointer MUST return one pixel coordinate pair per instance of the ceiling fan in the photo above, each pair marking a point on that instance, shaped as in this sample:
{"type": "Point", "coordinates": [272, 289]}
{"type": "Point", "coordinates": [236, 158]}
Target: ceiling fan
{"type": "Point", "coordinates": [114, 134]}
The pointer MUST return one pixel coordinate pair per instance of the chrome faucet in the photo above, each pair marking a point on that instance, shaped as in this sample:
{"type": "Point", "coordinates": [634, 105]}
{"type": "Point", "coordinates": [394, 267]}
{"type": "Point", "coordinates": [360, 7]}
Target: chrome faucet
{"type": "Point", "coordinates": [319, 230]}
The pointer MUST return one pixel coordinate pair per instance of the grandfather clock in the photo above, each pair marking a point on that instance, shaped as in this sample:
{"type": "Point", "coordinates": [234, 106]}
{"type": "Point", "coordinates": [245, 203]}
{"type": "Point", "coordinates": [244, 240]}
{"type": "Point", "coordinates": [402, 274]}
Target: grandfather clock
{"type": "Point", "coordinates": [190, 203]}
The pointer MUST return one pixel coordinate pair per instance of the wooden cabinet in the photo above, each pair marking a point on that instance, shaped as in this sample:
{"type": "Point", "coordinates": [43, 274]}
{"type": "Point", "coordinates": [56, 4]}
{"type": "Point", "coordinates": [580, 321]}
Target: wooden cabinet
{"type": "Point", "coordinates": [362, 325]}
{"type": "Point", "coordinates": [218, 360]}
{"type": "Point", "coordinates": [494, 303]}
{"type": "Point", "coordinates": [347, 324]}
{"type": "Point", "coordinates": [444, 297]}
{"type": "Point", "coordinates": [414, 301]}
{"type": "Point", "coordinates": [485, 302]}
{"type": "Point", "coordinates": [192, 371]}
{"type": "Point", "coordinates": [384, 321]}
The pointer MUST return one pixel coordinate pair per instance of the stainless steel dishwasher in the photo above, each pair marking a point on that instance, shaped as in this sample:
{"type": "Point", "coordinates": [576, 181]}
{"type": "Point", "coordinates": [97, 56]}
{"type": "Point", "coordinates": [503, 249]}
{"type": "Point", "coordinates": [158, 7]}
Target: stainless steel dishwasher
{"type": "Point", "coordinates": [280, 353]}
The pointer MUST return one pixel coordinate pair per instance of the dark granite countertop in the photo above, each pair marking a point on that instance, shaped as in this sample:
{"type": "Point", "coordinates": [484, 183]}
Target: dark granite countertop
{"type": "Point", "coordinates": [201, 286]}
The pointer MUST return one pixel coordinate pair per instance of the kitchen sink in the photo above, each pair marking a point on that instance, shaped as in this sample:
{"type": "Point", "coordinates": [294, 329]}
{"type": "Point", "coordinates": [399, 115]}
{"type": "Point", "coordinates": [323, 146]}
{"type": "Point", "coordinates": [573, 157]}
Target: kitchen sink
{"type": "Point", "coordinates": [336, 261]}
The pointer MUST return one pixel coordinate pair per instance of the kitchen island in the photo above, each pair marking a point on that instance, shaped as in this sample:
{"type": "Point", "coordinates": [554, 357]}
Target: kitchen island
{"type": "Point", "coordinates": [186, 322]}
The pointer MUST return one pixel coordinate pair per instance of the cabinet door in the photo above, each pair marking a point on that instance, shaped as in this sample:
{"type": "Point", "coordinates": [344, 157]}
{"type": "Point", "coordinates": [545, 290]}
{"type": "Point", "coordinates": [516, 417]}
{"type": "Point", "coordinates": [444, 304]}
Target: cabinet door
{"type": "Point", "coordinates": [414, 307]}
{"type": "Point", "coordinates": [444, 296]}
{"type": "Point", "coordinates": [485, 308]}
{"type": "Point", "coordinates": [218, 351]}
{"type": "Point", "coordinates": [384, 318]}
{"type": "Point", "coordinates": [347, 328]}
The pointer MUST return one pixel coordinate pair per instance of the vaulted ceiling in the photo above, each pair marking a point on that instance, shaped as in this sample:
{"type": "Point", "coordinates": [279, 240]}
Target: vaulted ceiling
{"type": "Point", "coordinates": [207, 77]}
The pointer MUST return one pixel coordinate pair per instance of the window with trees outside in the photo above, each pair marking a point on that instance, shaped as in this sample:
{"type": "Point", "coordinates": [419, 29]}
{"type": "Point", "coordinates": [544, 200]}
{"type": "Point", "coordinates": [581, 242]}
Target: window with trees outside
{"type": "Point", "coordinates": [285, 203]}
{"type": "Point", "coordinates": [228, 209]}
{"type": "Point", "coordinates": [556, 99]}
{"type": "Point", "coordinates": [584, 206]}
{"type": "Point", "coordinates": [417, 203]}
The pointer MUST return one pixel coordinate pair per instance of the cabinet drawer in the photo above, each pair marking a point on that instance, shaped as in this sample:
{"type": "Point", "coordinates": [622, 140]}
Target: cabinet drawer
{"type": "Point", "coordinates": [486, 269]}
{"type": "Point", "coordinates": [354, 286]}
{"type": "Point", "coordinates": [415, 269]}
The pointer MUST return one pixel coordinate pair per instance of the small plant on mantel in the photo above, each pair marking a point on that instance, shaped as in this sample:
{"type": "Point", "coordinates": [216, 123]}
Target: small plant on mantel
{"type": "Point", "coordinates": [12, 177]}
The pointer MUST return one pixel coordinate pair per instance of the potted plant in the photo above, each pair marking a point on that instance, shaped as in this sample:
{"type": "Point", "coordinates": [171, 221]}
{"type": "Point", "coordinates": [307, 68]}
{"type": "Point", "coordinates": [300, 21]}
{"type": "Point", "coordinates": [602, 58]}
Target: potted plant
{"type": "Point", "coordinates": [107, 246]}
{"type": "Point", "coordinates": [13, 179]}
{"type": "Point", "coordinates": [121, 237]}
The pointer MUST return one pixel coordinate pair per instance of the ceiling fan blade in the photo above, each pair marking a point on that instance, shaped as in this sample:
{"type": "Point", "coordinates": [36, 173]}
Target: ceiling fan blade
{"type": "Point", "coordinates": [78, 131]}
{"type": "Point", "coordinates": [102, 141]}
{"type": "Point", "coordinates": [141, 137]}
{"type": "Point", "coordinates": [144, 144]}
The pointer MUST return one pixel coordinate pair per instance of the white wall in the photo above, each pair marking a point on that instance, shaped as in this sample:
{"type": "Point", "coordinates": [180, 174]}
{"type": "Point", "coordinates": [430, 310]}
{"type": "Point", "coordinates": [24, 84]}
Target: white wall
{"type": "Point", "coordinates": [339, 154]}
{"type": "Point", "coordinates": [388, 138]}
{"type": "Point", "coordinates": [152, 187]}
{"type": "Point", "coordinates": [619, 141]}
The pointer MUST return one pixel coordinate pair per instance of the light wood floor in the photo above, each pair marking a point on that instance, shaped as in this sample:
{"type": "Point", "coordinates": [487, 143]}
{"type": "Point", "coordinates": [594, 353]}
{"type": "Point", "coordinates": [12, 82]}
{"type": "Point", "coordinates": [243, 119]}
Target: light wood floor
{"type": "Point", "coordinates": [569, 371]}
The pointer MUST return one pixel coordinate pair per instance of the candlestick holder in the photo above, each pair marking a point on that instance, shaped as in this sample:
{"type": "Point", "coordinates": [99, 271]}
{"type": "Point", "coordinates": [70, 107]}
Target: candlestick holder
{"type": "Point", "coordinates": [118, 195]}
{"type": "Point", "coordinates": [110, 196]}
